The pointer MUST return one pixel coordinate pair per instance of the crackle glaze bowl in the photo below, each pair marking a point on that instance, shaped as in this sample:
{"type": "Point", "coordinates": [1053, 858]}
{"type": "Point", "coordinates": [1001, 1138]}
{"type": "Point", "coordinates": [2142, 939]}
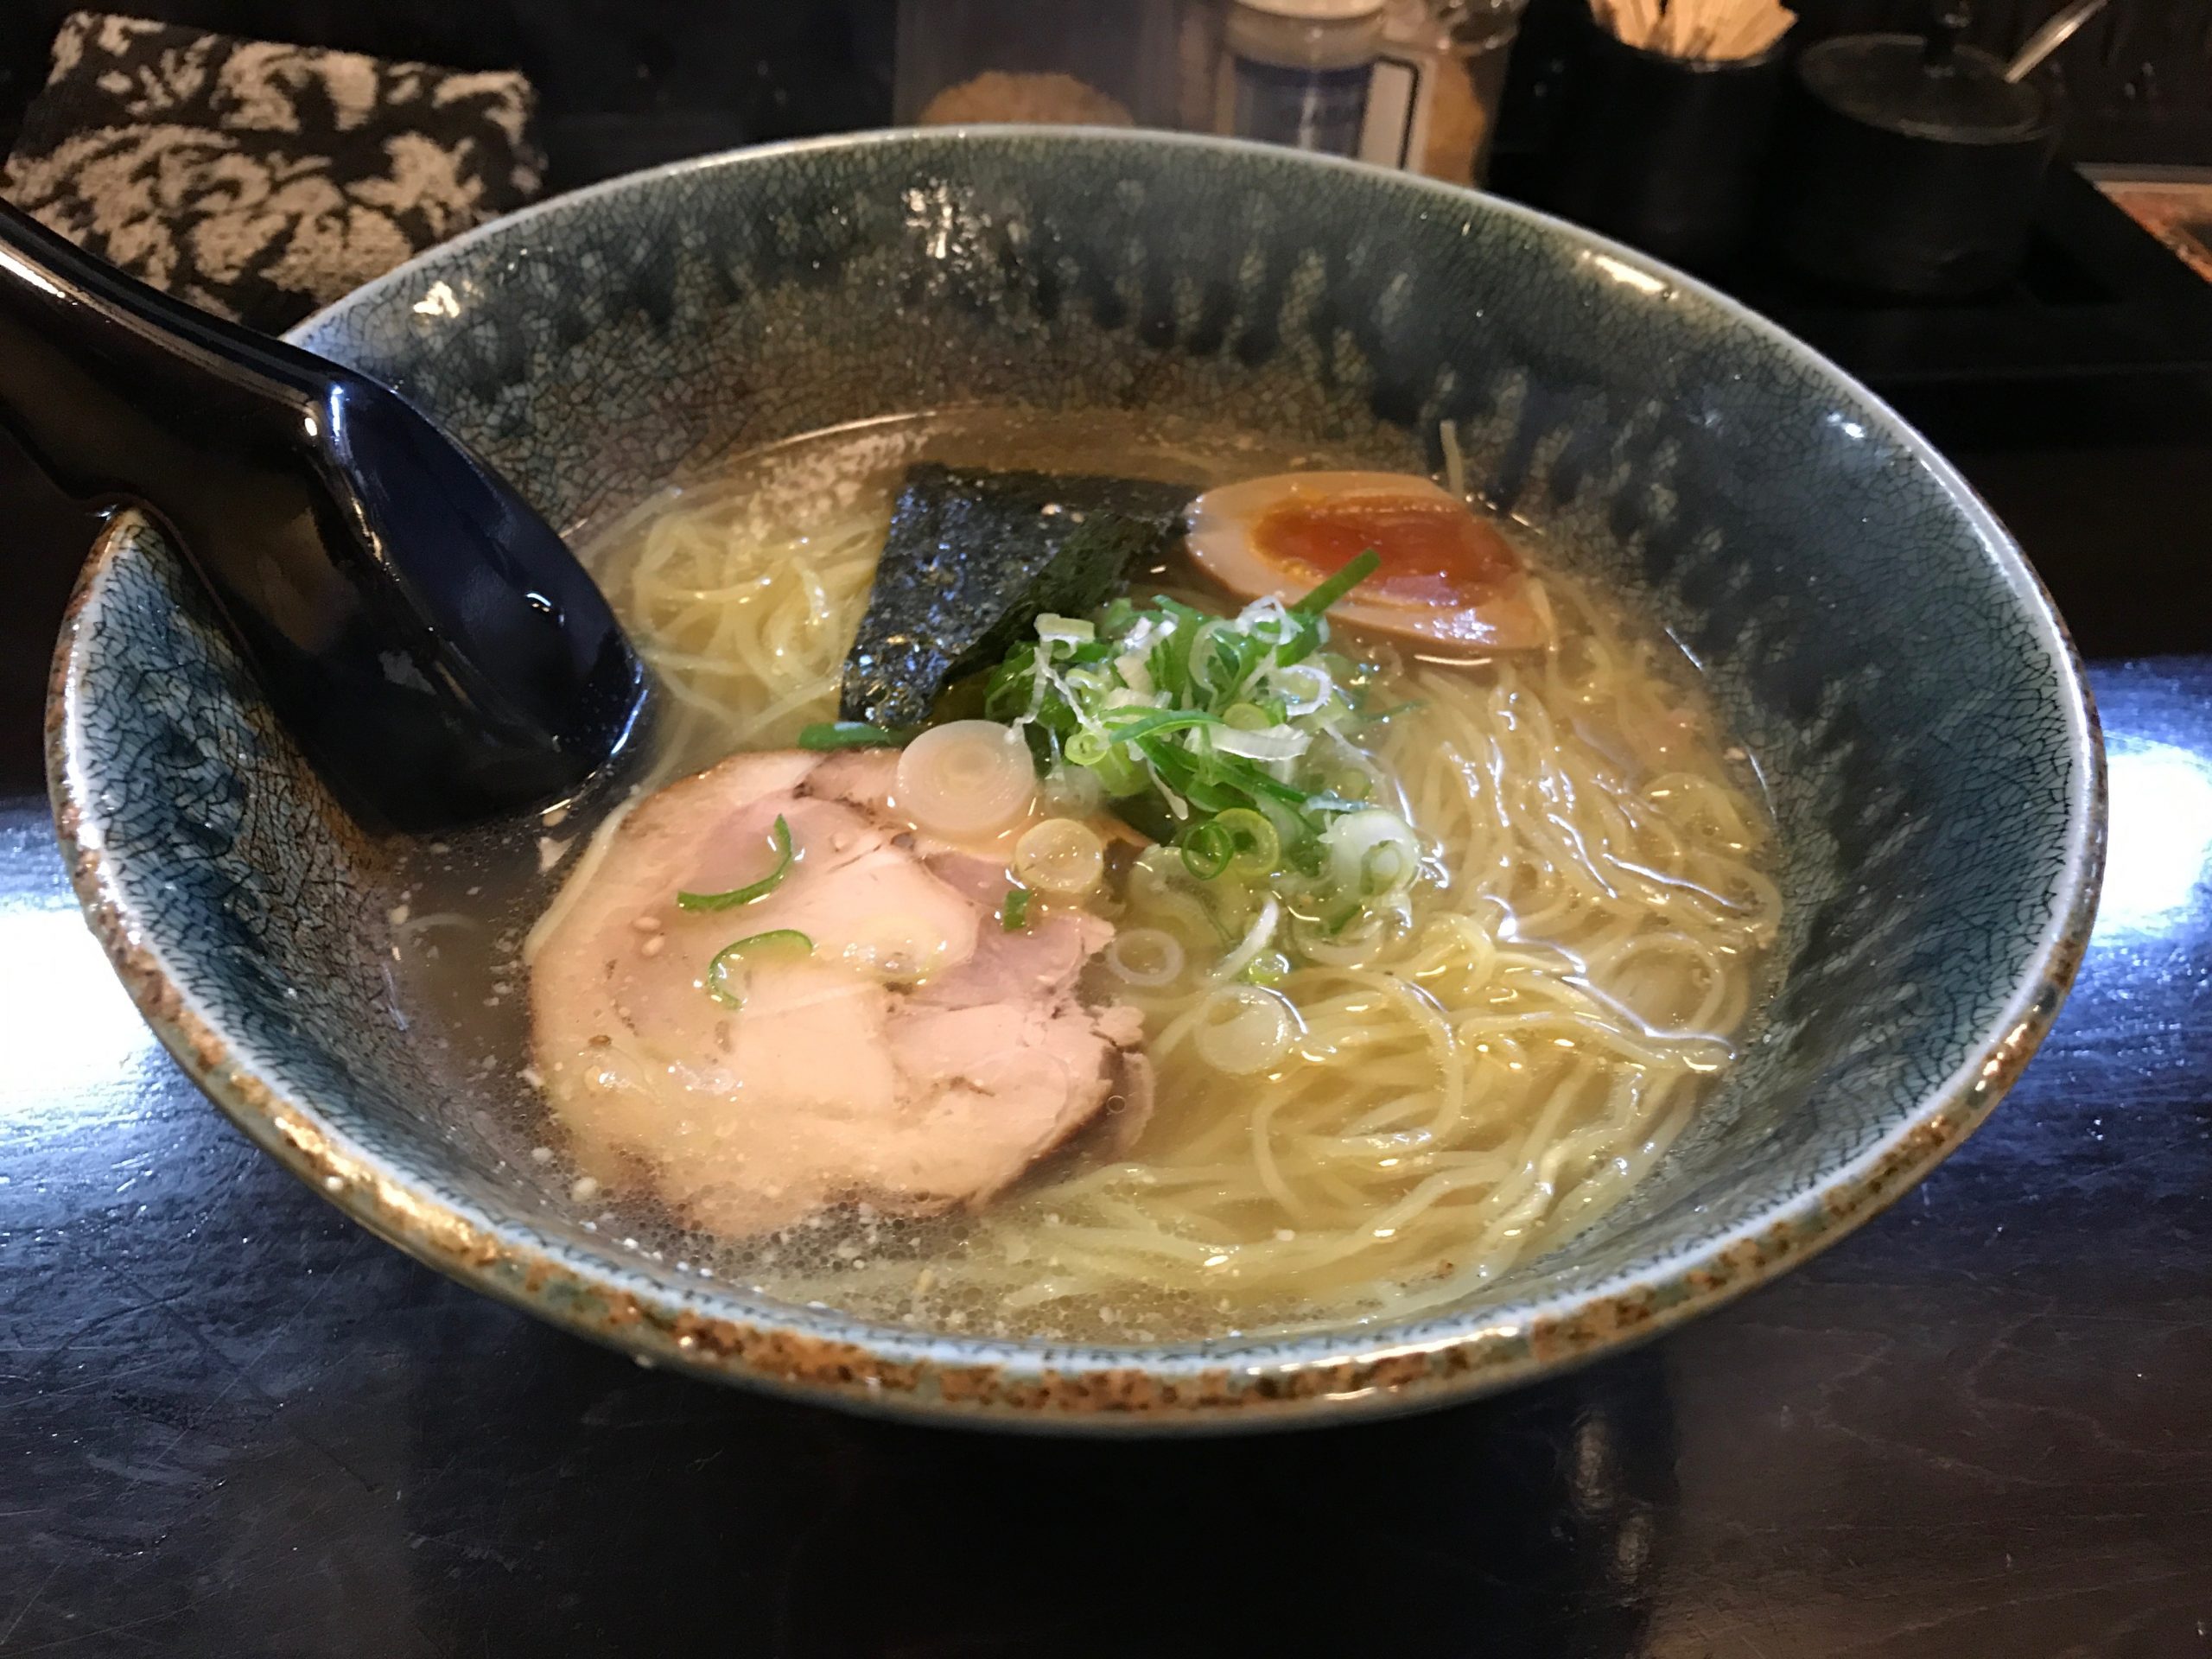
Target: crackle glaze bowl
{"type": "Point", "coordinates": [1876, 638]}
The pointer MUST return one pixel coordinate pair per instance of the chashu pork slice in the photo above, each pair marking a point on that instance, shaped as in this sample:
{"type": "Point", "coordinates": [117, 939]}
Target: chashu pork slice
{"type": "Point", "coordinates": [920, 1057]}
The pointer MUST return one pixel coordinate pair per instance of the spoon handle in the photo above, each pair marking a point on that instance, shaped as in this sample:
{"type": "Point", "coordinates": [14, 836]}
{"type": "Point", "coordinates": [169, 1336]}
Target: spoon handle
{"type": "Point", "coordinates": [2053, 35]}
{"type": "Point", "coordinates": [118, 390]}
{"type": "Point", "coordinates": [422, 633]}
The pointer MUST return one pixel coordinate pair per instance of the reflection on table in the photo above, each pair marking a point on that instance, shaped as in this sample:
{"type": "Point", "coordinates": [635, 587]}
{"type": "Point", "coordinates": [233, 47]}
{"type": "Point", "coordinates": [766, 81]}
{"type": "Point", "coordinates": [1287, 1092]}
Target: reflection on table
{"type": "Point", "coordinates": [231, 1422]}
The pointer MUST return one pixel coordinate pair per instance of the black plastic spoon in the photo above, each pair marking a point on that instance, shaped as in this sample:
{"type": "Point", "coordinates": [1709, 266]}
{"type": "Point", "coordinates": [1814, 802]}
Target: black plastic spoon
{"type": "Point", "coordinates": [427, 637]}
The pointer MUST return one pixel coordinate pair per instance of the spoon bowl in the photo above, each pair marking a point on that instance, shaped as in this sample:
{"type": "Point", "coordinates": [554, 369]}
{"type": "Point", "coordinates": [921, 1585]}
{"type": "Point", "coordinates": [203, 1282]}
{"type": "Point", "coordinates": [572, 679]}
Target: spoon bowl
{"type": "Point", "coordinates": [428, 641]}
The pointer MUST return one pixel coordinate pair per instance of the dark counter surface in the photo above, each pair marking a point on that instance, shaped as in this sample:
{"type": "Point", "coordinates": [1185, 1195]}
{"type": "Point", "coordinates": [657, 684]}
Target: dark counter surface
{"type": "Point", "coordinates": [232, 1424]}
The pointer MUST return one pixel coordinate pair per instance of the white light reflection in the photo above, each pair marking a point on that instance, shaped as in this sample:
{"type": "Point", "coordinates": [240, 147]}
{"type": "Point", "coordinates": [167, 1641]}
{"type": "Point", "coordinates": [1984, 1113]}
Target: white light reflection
{"type": "Point", "coordinates": [1621, 271]}
{"type": "Point", "coordinates": [77, 1038]}
{"type": "Point", "coordinates": [22, 268]}
{"type": "Point", "coordinates": [2160, 840]}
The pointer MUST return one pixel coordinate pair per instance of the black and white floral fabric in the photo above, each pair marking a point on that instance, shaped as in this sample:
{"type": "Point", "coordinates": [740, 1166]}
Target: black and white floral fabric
{"type": "Point", "coordinates": [261, 180]}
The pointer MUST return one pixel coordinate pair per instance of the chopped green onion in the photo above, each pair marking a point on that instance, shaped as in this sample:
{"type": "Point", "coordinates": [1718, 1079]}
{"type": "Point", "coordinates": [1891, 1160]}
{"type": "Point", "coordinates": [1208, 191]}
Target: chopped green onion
{"type": "Point", "coordinates": [1268, 968]}
{"type": "Point", "coordinates": [1273, 744]}
{"type": "Point", "coordinates": [776, 940]}
{"type": "Point", "coordinates": [1373, 853]}
{"type": "Point", "coordinates": [1308, 855]}
{"type": "Point", "coordinates": [1256, 845]}
{"type": "Point", "coordinates": [1013, 915]}
{"type": "Point", "coordinates": [1085, 749]}
{"type": "Point", "coordinates": [1206, 732]}
{"type": "Point", "coordinates": [1208, 850]}
{"type": "Point", "coordinates": [1173, 721]}
{"type": "Point", "coordinates": [1340, 800]}
{"type": "Point", "coordinates": [781, 834]}
{"type": "Point", "coordinates": [1357, 571]}
{"type": "Point", "coordinates": [1384, 870]}
{"type": "Point", "coordinates": [1254, 782]}
{"type": "Point", "coordinates": [1122, 774]}
{"type": "Point", "coordinates": [853, 735]}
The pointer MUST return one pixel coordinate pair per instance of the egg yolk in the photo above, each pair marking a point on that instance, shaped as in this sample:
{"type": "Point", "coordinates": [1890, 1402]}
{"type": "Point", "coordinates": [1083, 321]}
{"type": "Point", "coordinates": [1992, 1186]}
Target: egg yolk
{"type": "Point", "coordinates": [1432, 553]}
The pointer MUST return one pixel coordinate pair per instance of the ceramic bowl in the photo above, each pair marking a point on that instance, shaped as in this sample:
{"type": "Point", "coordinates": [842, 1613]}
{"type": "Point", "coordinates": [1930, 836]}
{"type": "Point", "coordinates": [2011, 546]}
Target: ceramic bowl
{"type": "Point", "coordinates": [1874, 635]}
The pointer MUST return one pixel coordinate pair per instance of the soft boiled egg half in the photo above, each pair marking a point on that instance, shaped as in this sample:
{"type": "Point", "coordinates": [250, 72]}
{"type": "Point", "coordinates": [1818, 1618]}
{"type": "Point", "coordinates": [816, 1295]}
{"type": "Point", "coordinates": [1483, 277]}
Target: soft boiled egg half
{"type": "Point", "coordinates": [1446, 577]}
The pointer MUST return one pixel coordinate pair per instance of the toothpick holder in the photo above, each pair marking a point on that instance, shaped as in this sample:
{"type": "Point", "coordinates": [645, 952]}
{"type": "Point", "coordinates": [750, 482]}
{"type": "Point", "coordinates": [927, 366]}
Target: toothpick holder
{"type": "Point", "coordinates": [1664, 152]}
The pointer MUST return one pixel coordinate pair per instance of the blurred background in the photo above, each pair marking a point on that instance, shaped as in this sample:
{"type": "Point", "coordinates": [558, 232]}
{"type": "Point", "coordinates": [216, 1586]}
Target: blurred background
{"type": "Point", "coordinates": [2021, 264]}
{"type": "Point", "coordinates": [1978, 1429]}
{"type": "Point", "coordinates": [623, 84]}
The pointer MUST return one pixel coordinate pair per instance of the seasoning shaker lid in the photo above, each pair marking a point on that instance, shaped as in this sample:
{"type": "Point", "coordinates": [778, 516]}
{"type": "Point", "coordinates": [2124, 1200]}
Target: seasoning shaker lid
{"type": "Point", "coordinates": [1316, 11]}
{"type": "Point", "coordinates": [1306, 33]}
{"type": "Point", "coordinates": [1925, 86]}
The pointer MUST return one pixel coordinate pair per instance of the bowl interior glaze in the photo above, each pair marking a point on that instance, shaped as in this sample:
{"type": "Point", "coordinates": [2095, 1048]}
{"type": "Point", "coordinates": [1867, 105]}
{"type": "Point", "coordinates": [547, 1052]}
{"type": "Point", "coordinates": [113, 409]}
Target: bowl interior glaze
{"type": "Point", "coordinates": [1873, 635]}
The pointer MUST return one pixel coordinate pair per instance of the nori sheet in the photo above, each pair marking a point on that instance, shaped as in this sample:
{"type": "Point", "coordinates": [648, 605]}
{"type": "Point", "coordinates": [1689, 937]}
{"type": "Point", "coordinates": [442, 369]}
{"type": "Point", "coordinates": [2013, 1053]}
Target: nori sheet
{"type": "Point", "coordinates": [973, 557]}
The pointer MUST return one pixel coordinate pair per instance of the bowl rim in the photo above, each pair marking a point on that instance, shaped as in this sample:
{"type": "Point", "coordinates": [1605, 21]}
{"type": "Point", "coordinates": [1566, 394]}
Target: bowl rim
{"type": "Point", "coordinates": [1230, 1385]}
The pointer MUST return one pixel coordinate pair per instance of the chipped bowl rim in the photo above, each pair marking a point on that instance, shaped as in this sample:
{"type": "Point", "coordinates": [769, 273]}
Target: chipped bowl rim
{"type": "Point", "coordinates": [1251, 1382]}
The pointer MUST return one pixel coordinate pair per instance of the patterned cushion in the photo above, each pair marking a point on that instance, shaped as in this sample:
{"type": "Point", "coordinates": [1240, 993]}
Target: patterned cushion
{"type": "Point", "coordinates": [260, 180]}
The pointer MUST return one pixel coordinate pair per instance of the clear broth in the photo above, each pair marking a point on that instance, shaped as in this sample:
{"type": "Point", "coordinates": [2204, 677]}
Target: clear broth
{"type": "Point", "coordinates": [470, 903]}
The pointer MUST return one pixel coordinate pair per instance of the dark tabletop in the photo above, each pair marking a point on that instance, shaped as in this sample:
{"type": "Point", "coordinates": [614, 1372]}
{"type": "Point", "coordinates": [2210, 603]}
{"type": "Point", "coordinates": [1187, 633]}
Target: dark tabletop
{"type": "Point", "coordinates": [232, 1423]}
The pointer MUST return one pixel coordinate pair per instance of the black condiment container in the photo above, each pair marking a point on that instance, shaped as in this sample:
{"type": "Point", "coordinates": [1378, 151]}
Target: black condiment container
{"type": "Point", "coordinates": [1909, 166]}
{"type": "Point", "coordinates": [1661, 151]}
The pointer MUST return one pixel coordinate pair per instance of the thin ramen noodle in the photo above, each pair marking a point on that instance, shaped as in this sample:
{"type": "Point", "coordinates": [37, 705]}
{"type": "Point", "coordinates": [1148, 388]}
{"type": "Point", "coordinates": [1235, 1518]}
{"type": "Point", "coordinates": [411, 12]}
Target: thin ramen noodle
{"type": "Point", "coordinates": [1364, 1122]}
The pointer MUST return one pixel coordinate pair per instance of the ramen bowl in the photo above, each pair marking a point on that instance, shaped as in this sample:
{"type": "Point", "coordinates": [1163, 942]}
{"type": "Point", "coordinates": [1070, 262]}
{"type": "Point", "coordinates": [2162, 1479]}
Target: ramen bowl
{"type": "Point", "coordinates": [1873, 637]}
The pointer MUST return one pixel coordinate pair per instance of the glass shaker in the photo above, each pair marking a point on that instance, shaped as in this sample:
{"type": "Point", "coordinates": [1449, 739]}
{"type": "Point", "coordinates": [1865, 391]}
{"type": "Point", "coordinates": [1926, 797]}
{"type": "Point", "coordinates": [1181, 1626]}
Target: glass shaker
{"type": "Point", "coordinates": [1297, 72]}
{"type": "Point", "coordinates": [1437, 84]}
{"type": "Point", "coordinates": [1482, 34]}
